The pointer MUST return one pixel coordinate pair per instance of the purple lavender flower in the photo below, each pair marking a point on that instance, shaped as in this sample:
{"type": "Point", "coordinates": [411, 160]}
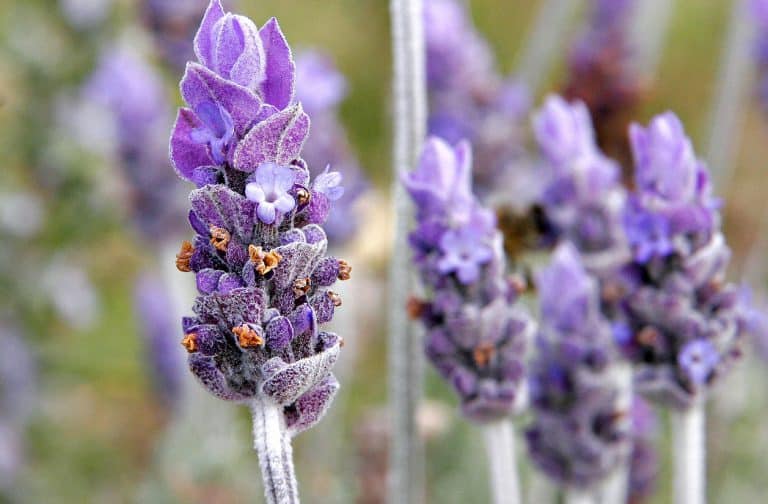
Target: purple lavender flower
{"type": "Point", "coordinates": [133, 92]}
{"type": "Point", "coordinates": [468, 98]}
{"type": "Point", "coordinates": [582, 197]}
{"type": "Point", "coordinates": [320, 88]}
{"type": "Point", "coordinates": [259, 254]}
{"type": "Point", "coordinates": [173, 23]}
{"type": "Point", "coordinates": [581, 429]}
{"type": "Point", "coordinates": [686, 324]}
{"type": "Point", "coordinates": [601, 74]}
{"type": "Point", "coordinates": [154, 309]}
{"type": "Point", "coordinates": [476, 338]}
{"type": "Point", "coordinates": [759, 11]}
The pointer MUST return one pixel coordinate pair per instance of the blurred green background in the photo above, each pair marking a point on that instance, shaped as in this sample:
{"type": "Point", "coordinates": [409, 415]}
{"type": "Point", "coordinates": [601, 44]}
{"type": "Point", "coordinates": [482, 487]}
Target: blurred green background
{"type": "Point", "coordinates": [97, 431]}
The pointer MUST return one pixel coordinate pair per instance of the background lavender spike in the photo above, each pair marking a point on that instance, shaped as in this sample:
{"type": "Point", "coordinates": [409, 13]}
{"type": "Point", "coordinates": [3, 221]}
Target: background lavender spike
{"type": "Point", "coordinates": [602, 75]}
{"type": "Point", "coordinates": [644, 467]}
{"type": "Point", "coordinates": [133, 92]}
{"type": "Point", "coordinates": [17, 395]}
{"type": "Point", "coordinates": [320, 88]}
{"type": "Point", "coordinates": [172, 24]}
{"type": "Point", "coordinates": [476, 337]}
{"type": "Point", "coordinates": [581, 430]}
{"type": "Point", "coordinates": [469, 99]}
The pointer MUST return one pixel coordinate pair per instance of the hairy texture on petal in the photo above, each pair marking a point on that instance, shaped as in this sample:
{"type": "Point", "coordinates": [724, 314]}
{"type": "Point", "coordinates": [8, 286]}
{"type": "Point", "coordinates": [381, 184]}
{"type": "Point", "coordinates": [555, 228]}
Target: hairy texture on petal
{"type": "Point", "coordinates": [286, 384]}
{"type": "Point", "coordinates": [310, 408]}
{"type": "Point", "coordinates": [277, 139]}
{"type": "Point", "coordinates": [278, 86]}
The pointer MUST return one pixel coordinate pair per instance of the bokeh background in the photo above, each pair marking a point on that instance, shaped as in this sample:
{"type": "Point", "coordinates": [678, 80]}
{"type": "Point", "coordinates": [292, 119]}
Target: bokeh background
{"type": "Point", "coordinates": [83, 416]}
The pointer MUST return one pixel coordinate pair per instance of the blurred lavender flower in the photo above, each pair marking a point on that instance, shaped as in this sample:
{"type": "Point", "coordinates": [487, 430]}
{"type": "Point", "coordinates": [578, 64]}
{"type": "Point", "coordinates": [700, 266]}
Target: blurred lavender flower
{"type": "Point", "coordinates": [475, 336]}
{"type": "Point", "coordinates": [686, 324]}
{"type": "Point", "coordinates": [468, 98]}
{"type": "Point", "coordinates": [133, 92]}
{"type": "Point", "coordinates": [154, 309]}
{"type": "Point", "coordinates": [759, 11]}
{"type": "Point", "coordinates": [173, 23]}
{"type": "Point", "coordinates": [17, 390]}
{"type": "Point", "coordinates": [601, 74]}
{"type": "Point", "coordinates": [85, 14]}
{"type": "Point", "coordinates": [259, 254]}
{"type": "Point", "coordinates": [320, 88]}
{"type": "Point", "coordinates": [582, 197]}
{"type": "Point", "coordinates": [581, 430]}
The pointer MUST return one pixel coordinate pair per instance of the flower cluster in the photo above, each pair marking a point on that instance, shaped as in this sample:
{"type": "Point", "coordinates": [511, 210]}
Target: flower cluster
{"type": "Point", "coordinates": [320, 88]}
{"type": "Point", "coordinates": [475, 336]}
{"type": "Point", "coordinates": [133, 92]}
{"type": "Point", "coordinates": [581, 429]}
{"type": "Point", "coordinates": [582, 197]}
{"type": "Point", "coordinates": [468, 99]}
{"type": "Point", "coordinates": [259, 254]}
{"type": "Point", "coordinates": [685, 324]}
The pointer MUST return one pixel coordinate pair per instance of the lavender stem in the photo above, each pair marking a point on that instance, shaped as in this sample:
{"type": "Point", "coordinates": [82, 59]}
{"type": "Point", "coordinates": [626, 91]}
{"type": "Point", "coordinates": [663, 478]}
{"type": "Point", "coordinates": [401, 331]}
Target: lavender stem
{"type": "Point", "coordinates": [689, 455]}
{"type": "Point", "coordinates": [727, 109]}
{"type": "Point", "coordinates": [578, 496]}
{"type": "Point", "coordinates": [273, 446]}
{"type": "Point", "coordinates": [405, 352]}
{"type": "Point", "coordinates": [544, 41]}
{"type": "Point", "coordinates": [500, 447]}
{"type": "Point", "coordinates": [614, 489]}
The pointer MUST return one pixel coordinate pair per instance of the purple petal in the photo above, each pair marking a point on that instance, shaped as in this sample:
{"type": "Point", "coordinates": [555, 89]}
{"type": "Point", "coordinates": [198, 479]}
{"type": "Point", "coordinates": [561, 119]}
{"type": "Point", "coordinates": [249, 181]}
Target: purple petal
{"type": "Point", "coordinates": [278, 86]}
{"type": "Point", "coordinates": [203, 40]}
{"type": "Point", "coordinates": [186, 154]}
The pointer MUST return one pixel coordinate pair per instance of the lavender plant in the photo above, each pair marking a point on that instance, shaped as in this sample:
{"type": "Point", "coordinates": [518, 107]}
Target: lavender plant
{"type": "Point", "coordinates": [476, 336]}
{"type": "Point", "coordinates": [259, 254]}
{"type": "Point", "coordinates": [759, 11]}
{"type": "Point", "coordinates": [685, 324]}
{"type": "Point", "coordinates": [581, 430]}
{"type": "Point", "coordinates": [644, 467]}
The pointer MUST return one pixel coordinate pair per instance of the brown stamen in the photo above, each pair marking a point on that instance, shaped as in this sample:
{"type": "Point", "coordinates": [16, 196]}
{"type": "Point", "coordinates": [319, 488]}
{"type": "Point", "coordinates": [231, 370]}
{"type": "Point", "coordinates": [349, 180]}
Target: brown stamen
{"type": "Point", "coordinates": [648, 336]}
{"type": "Point", "coordinates": [303, 196]}
{"type": "Point", "coordinates": [264, 261]}
{"type": "Point", "coordinates": [518, 283]}
{"type": "Point", "coordinates": [345, 270]}
{"type": "Point", "coordinates": [483, 354]}
{"type": "Point", "coordinates": [335, 298]}
{"type": "Point", "coordinates": [220, 238]}
{"type": "Point", "coordinates": [247, 337]}
{"type": "Point", "coordinates": [190, 342]}
{"type": "Point", "coordinates": [301, 286]}
{"type": "Point", "coordinates": [415, 308]}
{"type": "Point", "coordinates": [184, 256]}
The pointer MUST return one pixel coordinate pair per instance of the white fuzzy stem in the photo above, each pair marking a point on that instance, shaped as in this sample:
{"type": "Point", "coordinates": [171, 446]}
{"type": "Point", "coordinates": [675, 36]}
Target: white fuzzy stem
{"type": "Point", "coordinates": [500, 447]}
{"type": "Point", "coordinates": [575, 496]}
{"type": "Point", "coordinates": [689, 455]}
{"type": "Point", "coordinates": [405, 352]}
{"type": "Point", "coordinates": [273, 446]}
{"type": "Point", "coordinates": [728, 106]}
{"type": "Point", "coordinates": [648, 31]}
{"type": "Point", "coordinates": [545, 41]}
{"type": "Point", "coordinates": [614, 488]}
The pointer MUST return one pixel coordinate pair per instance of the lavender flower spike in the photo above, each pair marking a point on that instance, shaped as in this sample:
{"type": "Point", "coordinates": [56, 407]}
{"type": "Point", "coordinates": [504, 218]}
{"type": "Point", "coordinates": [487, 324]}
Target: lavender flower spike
{"type": "Point", "coordinates": [259, 255]}
{"type": "Point", "coordinates": [476, 338]}
{"type": "Point", "coordinates": [582, 198]}
{"type": "Point", "coordinates": [687, 325]}
{"type": "Point", "coordinates": [581, 430]}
